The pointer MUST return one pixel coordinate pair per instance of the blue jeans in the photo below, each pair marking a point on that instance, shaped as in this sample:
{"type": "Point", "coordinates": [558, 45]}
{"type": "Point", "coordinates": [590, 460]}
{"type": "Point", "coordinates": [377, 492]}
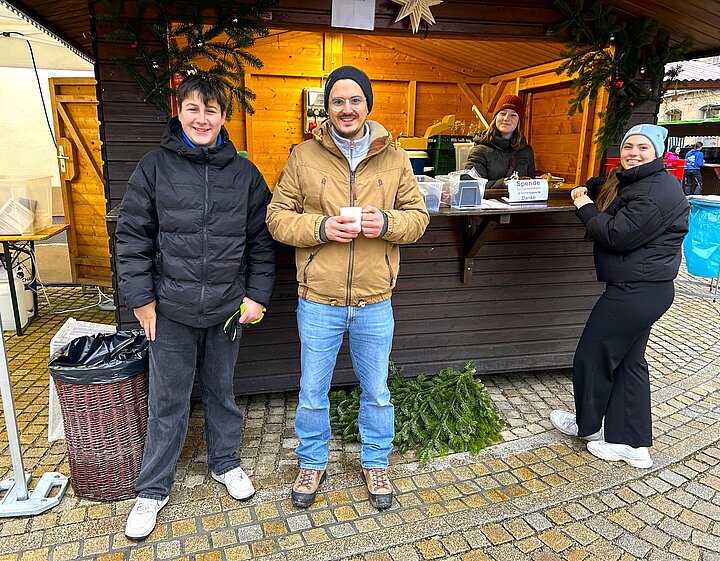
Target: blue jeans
{"type": "Point", "coordinates": [174, 355]}
{"type": "Point", "coordinates": [321, 329]}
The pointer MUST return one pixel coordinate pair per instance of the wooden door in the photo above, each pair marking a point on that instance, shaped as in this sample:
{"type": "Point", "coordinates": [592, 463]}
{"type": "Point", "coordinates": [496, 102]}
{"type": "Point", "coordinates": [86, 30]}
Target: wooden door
{"type": "Point", "coordinates": [77, 132]}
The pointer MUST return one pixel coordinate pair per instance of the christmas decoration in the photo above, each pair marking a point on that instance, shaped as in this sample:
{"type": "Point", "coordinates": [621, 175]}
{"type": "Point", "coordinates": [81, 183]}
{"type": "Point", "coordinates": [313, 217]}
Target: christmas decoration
{"type": "Point", "coordinates": [169, 39]}
{"type": "Point", "coordinates": [634, 64]}
{"type": "Point", "coordinates": [434, 415]}
{"type": "Point", "coordinates": [417, 10]}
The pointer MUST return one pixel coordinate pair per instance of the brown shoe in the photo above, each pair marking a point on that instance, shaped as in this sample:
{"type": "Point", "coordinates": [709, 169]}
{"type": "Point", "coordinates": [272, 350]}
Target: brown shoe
{"type": "Point", "coordinates": [306, 486]}
{"type": "Point", "coordinates": [379, 487]}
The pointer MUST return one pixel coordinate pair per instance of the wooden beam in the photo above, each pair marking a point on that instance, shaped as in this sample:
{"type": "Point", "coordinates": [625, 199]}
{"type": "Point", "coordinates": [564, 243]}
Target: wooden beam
{"type": "Point", "coordinates": [543, 80]}
{"type": "Point", "coordinates": [79, 141]}
{"type": "Point", "coordinates": [332, 52]}
{"type": "Point", "coordinates": [412, 100]}
{"type": "Point", "coordinates": [475, 100]}
{"type": "Point", "coordinates": [498, 92]}
{"type": "Point", "coordinates": [249, 145]}
{"type": "Point", "coordinates": [595, 155]}
{"type": "Point", "coordinates": [525, 72]}
{"type": "Point", "coordinates": [583, 156]}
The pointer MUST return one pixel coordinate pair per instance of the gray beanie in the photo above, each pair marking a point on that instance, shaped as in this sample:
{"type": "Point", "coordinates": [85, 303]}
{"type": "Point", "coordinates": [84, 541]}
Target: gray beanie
{"type": "Point", "coordinates": [354, 74]}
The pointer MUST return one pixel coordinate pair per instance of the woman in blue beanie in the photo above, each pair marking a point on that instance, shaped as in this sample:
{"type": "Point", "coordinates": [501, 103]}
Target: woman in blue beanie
{"type": "Point", "coordinates": [637, 220]}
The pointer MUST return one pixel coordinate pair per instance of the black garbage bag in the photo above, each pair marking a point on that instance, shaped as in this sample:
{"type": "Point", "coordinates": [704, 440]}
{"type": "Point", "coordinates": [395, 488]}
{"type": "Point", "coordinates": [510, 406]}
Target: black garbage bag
{"type": "Point", "coordinates": [102, 358]}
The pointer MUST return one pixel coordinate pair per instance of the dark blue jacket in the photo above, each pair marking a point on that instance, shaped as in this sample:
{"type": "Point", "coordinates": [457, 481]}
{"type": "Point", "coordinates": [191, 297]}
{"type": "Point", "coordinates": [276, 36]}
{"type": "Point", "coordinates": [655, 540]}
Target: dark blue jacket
{"type": "Point", "coordinates": [694, 159]}
{"type": "Point", "coordinates": [639, 236]}
{"type": "Point", "coordinates": [191, 233]}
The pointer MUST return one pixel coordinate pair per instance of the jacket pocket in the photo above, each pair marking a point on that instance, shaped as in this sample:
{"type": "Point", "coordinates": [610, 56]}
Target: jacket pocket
{"type": "Point", "coordinates": [307, 269]}
{"type": "Point", "coordinates": [391, 273]}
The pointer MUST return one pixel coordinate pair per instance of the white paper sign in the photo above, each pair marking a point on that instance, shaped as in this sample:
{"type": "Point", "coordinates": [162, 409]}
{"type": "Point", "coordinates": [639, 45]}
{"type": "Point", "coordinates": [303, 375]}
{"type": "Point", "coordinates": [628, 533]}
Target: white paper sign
{"type": "Point", "coordinates": [355, 14]}
{"type": "Point", "coordinates": [526, 190]}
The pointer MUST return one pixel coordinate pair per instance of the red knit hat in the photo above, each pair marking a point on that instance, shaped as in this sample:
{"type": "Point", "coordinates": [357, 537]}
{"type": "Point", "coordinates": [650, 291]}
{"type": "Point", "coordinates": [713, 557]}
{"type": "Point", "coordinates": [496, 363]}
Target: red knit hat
{"type": "Point", "coordinates": [511, 102]}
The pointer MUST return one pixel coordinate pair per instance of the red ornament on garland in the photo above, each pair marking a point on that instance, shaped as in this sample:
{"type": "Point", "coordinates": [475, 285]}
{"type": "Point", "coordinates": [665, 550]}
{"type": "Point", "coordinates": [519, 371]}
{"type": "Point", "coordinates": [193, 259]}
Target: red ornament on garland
{"type": "Point", "coordinates": [662, 100]}
{"type": "Point", "coordinates": [631, 104]}
{"type": "Point", "coordinates": [133, 45]}
{"type": "Point", "coordinates": [619, 84]}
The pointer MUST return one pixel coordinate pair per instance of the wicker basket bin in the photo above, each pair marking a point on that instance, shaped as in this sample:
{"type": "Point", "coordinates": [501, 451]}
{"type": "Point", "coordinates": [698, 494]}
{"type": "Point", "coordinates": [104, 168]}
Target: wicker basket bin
{"type": "Point", "coordinates": [105, 427]}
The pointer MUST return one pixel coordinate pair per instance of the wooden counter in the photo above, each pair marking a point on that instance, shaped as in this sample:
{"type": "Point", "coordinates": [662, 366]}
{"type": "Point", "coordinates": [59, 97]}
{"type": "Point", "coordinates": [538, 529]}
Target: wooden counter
{"type": "Point", "coordinates": [531, 287]}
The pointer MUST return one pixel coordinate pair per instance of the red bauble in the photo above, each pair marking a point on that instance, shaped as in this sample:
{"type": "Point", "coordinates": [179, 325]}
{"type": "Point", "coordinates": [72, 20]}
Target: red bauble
{"type": "Point", "coordinates": [662, 100]}
{"type": "Point", "coordinates": [632, 104]}
{"type": "Point", "coordinates": [619, 84]}
{"type": "Point", "coordinates": [133, 45]}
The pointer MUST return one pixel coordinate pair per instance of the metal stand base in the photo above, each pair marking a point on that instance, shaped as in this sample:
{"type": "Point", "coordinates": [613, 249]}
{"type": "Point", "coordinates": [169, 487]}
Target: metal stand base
{"type": "Point", "coordinates": [39, 500]}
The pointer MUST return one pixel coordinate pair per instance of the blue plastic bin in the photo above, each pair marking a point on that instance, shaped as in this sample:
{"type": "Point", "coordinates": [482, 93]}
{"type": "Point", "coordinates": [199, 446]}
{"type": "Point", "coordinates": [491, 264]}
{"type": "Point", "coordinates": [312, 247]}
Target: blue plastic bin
{"type": "Point", "coordinates": [702, 243]}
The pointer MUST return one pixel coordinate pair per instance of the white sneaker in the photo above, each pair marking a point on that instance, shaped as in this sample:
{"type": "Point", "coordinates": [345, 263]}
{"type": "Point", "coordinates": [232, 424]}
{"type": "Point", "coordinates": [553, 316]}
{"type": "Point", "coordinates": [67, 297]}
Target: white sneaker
{"type": "Point", "coordinates": [142, 518]}
{"type": "Point", "coordinates": [566, 423]}
{"type": "Point", "coordinates": [636, 457]}
{"type": "Point", "coordinates": [237, 482]}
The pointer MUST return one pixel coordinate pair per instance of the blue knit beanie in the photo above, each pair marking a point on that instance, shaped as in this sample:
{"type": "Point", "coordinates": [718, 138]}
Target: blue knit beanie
{"type": "Point", "coordinates": [653, 133]}
{"type": "Point", "coordinates": [354, 74]}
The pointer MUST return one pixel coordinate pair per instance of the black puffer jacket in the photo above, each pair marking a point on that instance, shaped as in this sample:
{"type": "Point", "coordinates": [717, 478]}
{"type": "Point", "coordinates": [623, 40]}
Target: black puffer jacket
{"type": "Point", "coordinates": [191, 233]}
{"type": "Point", "coordinates": [639, 236]}
{"type": "Point", "coordinates": [491, 159]}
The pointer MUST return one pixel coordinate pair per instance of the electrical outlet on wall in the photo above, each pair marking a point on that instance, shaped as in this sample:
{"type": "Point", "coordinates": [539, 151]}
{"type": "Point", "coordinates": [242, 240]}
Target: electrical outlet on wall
{"type": "Point", "coordinates": [314, 108]}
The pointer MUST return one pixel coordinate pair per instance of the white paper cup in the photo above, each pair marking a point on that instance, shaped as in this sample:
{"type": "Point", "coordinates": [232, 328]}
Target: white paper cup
{"type": "Point", "coordinates": [356, 213]}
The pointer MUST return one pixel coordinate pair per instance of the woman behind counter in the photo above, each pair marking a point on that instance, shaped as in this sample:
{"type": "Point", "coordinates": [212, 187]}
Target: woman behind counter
{"type": "Point", "coordinates": [637, 226]}
{"type": "Point", "coordinates": [502, 148]}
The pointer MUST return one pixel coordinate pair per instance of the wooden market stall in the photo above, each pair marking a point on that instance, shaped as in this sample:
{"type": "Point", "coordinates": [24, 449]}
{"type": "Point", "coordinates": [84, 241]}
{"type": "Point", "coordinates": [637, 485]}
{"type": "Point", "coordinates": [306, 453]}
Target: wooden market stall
{"type": "Point", "coordinates": [510, 290]}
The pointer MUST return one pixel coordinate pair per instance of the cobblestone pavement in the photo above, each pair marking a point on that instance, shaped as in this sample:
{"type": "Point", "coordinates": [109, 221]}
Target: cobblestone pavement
{"type": "Point", "coordinates": [539, 495]}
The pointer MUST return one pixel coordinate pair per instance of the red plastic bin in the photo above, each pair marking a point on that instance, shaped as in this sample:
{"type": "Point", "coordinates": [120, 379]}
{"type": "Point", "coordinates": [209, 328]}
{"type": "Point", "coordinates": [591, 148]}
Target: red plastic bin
{"type": "Point", "coordinates": [676, 167]}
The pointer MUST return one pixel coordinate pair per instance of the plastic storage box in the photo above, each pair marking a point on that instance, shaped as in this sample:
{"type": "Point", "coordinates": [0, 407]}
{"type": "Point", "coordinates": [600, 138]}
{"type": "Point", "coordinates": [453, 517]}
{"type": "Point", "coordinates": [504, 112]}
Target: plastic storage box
{"type": "Point", "coordinates": [463, 193]}
{"type": "Point", "coordinates": [25, 204]}
{"type": "Point", "coordinates": [431, 191]}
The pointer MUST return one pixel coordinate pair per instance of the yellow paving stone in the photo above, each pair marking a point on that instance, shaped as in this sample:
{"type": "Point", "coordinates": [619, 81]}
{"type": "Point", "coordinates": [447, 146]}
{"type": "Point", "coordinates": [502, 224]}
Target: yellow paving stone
{"type": "Point", "coordinates": [185, 527]}
{"type": "Point", "coordinates": [321, 501]}
{"type": "Point", "coordinates": [496, 534]}
{"type": "Point", "coordinates": [456, 505]}
{"type": "Point", "coordinates": [429, 497]}
{"type": "Point", "coordinates": [695, 520]}
{"type": "Point", "coordinates": [339, 497]}
{"type": "Point", "coordinates": [435, 510]}
{"type": "Point", "coordinates": [542, 469]}
{"type": "Point", "coordinates": [554, 480]}
{"type": "Point", "coordinates": [223, 538]}
{"type": "Point", "coordinates": [575, 460]}
{"type": "Point", "coordinates": [239, 553]}
{"type": "Point", "coordinates": [345, 513]}
{"type": "Point", "coordinates": [449, 492]}
{"type": "Point", "coordinates": [404, 484]}
{"type": "Point", "coordinates": [72, 516]}
{"type": "Point", "coordinates": [474, 556]}
{"type": "Point", "coordinates": [527, 545]}
{"type": "Point", "coordinates": [99, 511]}
{"type": "Point", "coordinates": [580, 533]}
{"type": "Point", "coordinates": [194, 544]}
{"type": "Point", "coordinates": [627, 521]}
{"type": "Point", "coordinates": [474, 501]}
{"type": "Point", "coordinates": [467, 487]}
{"type": "Point", "coordinates": [267, 511]}
{"type": "Point", "coordinates": [368, 524]}
{"type": "Point", "coordinates": [322, 517]}
{"type": "Point", "coordinates": [497, 465]}
{"type": "Point", "coordinates": [389, 519]}
{"type": "Point", "coordinates": [480, 468]}
{"type": "Point", "coordinates": [486, 482]}
{"type": "Point", "coordinates": [408, 499]}
{"type": "Point", "coordinates": [455, 544]}
{"type": "Point", "coordinates": [274, 528]}
{"type": "Point", "coordinates": [95, 546]}
{"type": "Point", "coordinates": [316, 535]}
{"type": "Point", "coordinates": [165, 550]}
{"type": "Point", "coordinates": [464, 472]}
{"type": "Point", "coordinates": [424, 481]}
{"type": "Point", "coordinates": [561, 449]}
{"type": "Point", "coordinates": [358, 493]}
{"type": "Point", "coordinates": [111, 557]}
{"type": "Point", "coordinates": [212, 522]}
{"type": "Point", "coordinates": [545, 453]}
{"type": "Point", "coordinates": [555, 540]}
{"type": "Point", "coordinates": [430, 549]}
{"type": "Point", "coordinates": [535, 485]}
{"type": "Point", "coordinates": [239, 516]}
{"type": "Point", "coordinates": [515, 491]}
{"type": "Point", "coordinates": [444, 476]}
{"type": "Point", "coordinates": [291, 541]}
{"type": "Point", "coordinates": [514, 462]}
{"type": "Point", "coordinates": [411, 515]}
{"type": "Point", "coordinates": [523, 473]}
{"type": "Point", "coordinates": [518, 528]}
{"type": "Point", "coordinates": [9, 557]}
{"type": "Point", "coordinates": [572, 474]}
{"type": "Point", "coordinates": [265, 547]}
{"type": "Point", "coordinates": [64, 551]}
{"type": "Point", "coordinates": [142, 553]}
{"type": "Point", "coordinates": [161, 532]}
{"type": "Point", "coordinates": [12, 527]}
{"type": "Point", "coordinates": [210, 556]}
{"type": "Point", "coordinates": [577, 555]}
{"type": "Point", "coordinates": [558, 515]}
{"type": "Point", "coordinates": [496, 496]}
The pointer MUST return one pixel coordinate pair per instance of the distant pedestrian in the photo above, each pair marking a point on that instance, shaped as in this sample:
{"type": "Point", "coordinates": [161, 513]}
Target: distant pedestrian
{"type": "Point", "coordinates": [694, 160]}
{"type": "Point", "coordinates": [674, 155]}
{"type": "Point", "coordinates": [637, 225]}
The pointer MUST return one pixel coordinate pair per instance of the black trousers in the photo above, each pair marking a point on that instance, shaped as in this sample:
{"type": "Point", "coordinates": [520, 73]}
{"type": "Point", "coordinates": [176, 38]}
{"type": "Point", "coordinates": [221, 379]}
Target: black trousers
{"type": "Point", "coordinates": [610, 373]}
{"type": "Point", "coordinates": [692, 177]}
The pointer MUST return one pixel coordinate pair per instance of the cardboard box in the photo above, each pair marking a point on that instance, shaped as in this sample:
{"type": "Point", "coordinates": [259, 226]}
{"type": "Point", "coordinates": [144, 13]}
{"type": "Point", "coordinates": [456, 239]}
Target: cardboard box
{"type": "Point", "coordinates": [25, 204]}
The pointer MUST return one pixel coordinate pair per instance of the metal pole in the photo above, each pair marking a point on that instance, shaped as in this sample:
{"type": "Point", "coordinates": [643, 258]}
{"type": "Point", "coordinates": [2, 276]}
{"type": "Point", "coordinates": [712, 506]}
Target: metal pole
{"type": "Point", "coordinates": [21, 490]}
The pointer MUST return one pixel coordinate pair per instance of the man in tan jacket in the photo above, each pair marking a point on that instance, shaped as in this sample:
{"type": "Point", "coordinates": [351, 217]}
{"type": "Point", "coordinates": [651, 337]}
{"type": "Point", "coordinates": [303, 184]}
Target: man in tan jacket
{"type": "Point", "coordinates": [346, 270]}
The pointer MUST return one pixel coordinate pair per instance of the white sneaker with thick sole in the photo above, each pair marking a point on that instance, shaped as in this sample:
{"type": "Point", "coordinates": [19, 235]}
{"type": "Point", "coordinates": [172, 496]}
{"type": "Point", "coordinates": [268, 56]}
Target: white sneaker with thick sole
{"type": "Point", "coordinates": [237, 482]}
{"type": "Point", "coordinates": [143, 517]}
{"type": "Point", "coordinates": [636, 457]}
{"type": "Point", "coordinates": [566, 423]}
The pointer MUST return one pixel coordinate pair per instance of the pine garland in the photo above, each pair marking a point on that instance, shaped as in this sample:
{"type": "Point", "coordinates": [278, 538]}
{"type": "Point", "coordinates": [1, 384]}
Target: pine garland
{"type": "Point", "coordinates": [633, 72]}
{"type": "Point", "coordinates": [434, 415]}
{"type": "Point", "coordinates": [218, 31]}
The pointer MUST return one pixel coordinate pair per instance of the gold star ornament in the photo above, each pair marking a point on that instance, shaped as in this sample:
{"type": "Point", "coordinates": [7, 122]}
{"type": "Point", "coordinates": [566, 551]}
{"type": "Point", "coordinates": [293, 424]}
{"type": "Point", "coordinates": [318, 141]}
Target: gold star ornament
{"type": "Point", "coordinates": [417, 10]}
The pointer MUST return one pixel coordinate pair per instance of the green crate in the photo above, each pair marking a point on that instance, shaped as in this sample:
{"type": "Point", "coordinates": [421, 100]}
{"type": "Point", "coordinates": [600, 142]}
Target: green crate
{"type": "Point", "coordinates": [446, 141]}
{"type": "Point", "coordinates": [443, 160]}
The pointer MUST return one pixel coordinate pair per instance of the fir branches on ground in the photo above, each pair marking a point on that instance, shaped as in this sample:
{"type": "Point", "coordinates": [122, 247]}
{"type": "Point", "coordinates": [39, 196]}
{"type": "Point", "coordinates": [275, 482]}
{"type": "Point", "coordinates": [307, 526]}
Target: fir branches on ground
{"type": "Point", "coordinates": [172, 39]}
{"type": "Point", "coordinates": [625, 58]}
{"type": "Point", "coordinates": [434, 415]}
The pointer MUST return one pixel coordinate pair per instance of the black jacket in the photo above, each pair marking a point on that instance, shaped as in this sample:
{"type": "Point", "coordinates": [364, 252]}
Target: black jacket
{"type": "Point", "coordinates": [639, 236]}
{"type": "Point", "coordinates": [191, 232]}
{"type": "Point", "coordinates": [491, 159]}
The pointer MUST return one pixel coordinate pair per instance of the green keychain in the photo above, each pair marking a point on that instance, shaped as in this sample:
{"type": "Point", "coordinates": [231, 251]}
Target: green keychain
{"type": "Point", "coordinates": [231, 325]}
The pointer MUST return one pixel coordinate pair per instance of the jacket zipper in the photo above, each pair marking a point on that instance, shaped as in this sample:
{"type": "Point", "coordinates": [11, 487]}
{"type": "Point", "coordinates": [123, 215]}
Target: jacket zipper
{"type": "Point", "coordinates": [351, 255]}
{"type": "Point", "coordinates": [390, 271]}
{"type": "Point", "coordinates": [205, 248]}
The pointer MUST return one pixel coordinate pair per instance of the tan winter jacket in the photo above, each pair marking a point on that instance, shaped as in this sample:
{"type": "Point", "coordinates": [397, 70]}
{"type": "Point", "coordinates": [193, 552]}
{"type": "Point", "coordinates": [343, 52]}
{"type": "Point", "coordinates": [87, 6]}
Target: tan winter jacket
{"type": "Point", "coordinates": [315, 183]}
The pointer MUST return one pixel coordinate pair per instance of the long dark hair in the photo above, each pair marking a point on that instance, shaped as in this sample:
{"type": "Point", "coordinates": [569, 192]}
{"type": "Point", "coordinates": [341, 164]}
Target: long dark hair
{"type": "Point", "coordinates": [609, 190]}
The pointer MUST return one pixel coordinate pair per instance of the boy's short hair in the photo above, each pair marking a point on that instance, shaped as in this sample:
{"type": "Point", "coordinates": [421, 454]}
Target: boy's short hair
{"type": "Point", "coordinates": [208, 89]}
{"type": "Point", "coordinates": [698, 145]}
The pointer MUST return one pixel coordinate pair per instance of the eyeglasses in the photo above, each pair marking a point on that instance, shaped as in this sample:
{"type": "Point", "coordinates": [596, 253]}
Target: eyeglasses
{"type": "Point", "coordinates": [338, 103]}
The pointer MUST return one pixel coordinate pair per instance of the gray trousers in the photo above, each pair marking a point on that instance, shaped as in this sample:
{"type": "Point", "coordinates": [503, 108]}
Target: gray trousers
{"type": "Point", "coordinates": [174, 356]}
